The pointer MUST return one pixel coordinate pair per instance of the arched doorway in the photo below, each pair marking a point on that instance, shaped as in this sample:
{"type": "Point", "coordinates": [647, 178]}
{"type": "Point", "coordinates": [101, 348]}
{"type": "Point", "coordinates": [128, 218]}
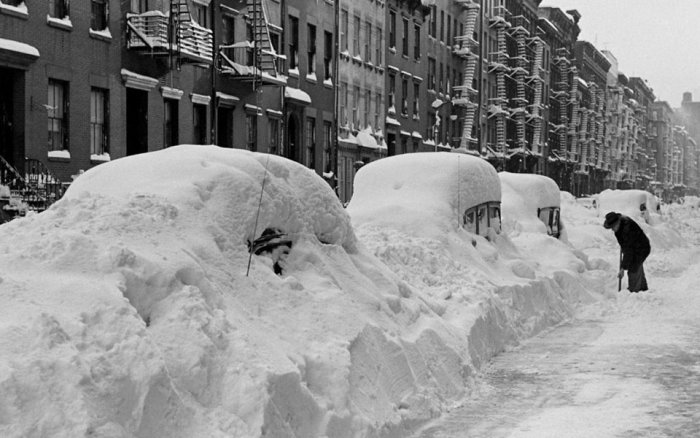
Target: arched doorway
{"type": "Point", "coordinates": [292, 138]}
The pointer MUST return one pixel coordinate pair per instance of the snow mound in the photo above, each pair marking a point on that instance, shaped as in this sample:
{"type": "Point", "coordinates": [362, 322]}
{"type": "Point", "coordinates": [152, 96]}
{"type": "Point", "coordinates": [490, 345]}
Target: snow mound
{"type": "Point", "coordinates": [523, 195]}
{"type": "Point", "coordinates": [128, 312]}
{"type": "Point", "coordinates": [422, 192]}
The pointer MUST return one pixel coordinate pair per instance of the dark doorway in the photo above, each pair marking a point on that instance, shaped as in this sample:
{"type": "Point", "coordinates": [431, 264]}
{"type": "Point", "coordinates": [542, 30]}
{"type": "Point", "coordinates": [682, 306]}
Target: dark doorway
{"type": "Point", "coordinates": [7, 146]}
{"type": "Point", "coordinates": [391, 144]}
{"type": "Point", "coordinates": [224, 128]}
{"type": "Point", "coordinates": [292, 138]}
{"type": "Point", "coordinates": [136, 121]}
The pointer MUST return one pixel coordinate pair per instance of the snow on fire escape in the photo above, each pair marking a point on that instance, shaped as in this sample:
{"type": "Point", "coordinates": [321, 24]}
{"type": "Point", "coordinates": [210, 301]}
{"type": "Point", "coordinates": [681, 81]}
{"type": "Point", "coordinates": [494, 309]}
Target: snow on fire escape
{"type": "Point", "coordinates": [562, 95]}
{"type": "Point", "coordinates": [537, 78]}
{"type": "Point", "coordinates": [497, 65]}
{"type": "Point", "coordinates": [467, 50]}
{"type": "Point", "coordinates": [253, 59]}
{"type": "Point", "coordinates": [575, 116]}
{"type": "Point", "coordinates": [172, 33]}
{"type": "Point", "coordinates": [519, 110]}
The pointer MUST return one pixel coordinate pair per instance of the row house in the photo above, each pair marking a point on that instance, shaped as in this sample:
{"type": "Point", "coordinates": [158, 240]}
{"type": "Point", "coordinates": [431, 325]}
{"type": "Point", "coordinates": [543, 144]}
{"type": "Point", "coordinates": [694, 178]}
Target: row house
{"type": "Point", "coordinates": [560, 31]}
{"type": "Point", "coordinates": [516, 59]}
{"type": "Point", "coordinates": [57, 86]}
{"type": "Point", "coordinates": [361, 96]}
{"type": "Point", "coordinates": [644, 97]}
{"type": "Point", "coordinates": [690, 113]}
{"type": "Point", "coordinates": [661, 131]}
{"type": "Point", "coordinates": [593, 67]}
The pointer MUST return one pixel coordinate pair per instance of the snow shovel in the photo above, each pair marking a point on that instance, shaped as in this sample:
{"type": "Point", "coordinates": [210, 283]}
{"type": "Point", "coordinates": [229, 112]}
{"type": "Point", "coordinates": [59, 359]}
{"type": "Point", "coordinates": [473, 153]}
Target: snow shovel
{"type": "Point", "coordinates": [619, 277]}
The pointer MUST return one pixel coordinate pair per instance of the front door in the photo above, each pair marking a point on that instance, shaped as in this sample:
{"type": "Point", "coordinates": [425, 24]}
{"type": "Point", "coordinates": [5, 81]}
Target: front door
{"type": "Point", "coordinates": [136, 121]}
{"type": "Point", "coordinates": [292, 138]}
{"type": "Point", "coordinates": [224, 129]}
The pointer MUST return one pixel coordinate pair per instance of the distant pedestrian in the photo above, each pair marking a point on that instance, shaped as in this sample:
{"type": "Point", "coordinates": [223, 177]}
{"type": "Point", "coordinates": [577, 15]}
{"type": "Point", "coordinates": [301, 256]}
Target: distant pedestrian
{"type": "Point", "coordinates": [635, 248]}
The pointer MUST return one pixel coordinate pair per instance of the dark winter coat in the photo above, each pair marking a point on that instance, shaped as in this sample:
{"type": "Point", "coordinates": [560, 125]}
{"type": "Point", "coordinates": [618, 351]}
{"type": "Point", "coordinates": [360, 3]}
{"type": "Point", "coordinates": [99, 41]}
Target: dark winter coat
{"type": "Point", "coordinates": [633, 242]}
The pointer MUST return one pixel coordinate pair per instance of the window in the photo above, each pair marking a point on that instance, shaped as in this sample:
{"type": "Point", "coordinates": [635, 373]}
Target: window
{"type": "Point", "coordinates": [58, 8]}
{"type": "Point", "coordinates": [275, 43]}
{"type": "Point", "coordinates": [327, 55]}
{"type": "Point", "coordinates": [431, 73]}
{"type": "Point", "coordinates": [356, 106]}
{"type": "Point", "coordinates": [250, 51]}
{"type": "Point", "coordinates": [99, 107]}
{"type": "Point", "coordinates": [392, 92]}
{"type": "Point", "coordinates": [293, 43]}
{"type": "Point", "coordinates": [392, 30]}
{"type": "Point", "coordinates": [344, 24]}
{"type": "Point", "coordinates": [368, 102]}
{"type": "Point", "coordinates": [311, 51]}
{"type": "Point", "coordinates": [199, 124]}
{"type": "Point", "coordinates": [170, 123]}
{"type": "Point", "coordinates": [368, 41]}
{"type": "Point", "coordinates": [432, 25]}
{"type": "Point", "coordinates": [274, 125]}
{"type": "Point", "coordinates": [98, 15]}
{"type": "Point", "coordinates": [356, 38]}
{"type": "Point", "coordinates": [441, 79]}
{"type": "Point", "coordinates": [251, 126]}
{"type": "Point", "coordinates": [448, 35]}
{"type": "Point", "coordinates": [416, 41]}
{"type": "Point", "coordinates": [378, 48]}
{"type": "Point", "coordinates": [200, 14]}
{"type": "Point", "coordinates": [416, 93]}
{"type": "Point", "coordinates": [58, 115]}
{"type": "Point", "coordinates": [377, 108]}
{"type": "Point", "coordinates": [404, 144]}
{"type": "Point", "coordinates": [310, 135]}
{"type": "Point", "coordinates": [327, 143]}
{"type": "Point", "coordinates": [404, 40]}
{"type": "Point", "coordinates": [343, 104]}
{"type": "Point", "coordinates": [404, 96]}
{"type": "Point", "coordinates": [442, 25]}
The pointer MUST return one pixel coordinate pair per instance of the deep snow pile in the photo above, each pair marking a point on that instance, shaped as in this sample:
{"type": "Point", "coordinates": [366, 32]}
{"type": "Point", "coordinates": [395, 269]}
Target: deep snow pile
{"type": "Point", "coordinates": [128, 313]}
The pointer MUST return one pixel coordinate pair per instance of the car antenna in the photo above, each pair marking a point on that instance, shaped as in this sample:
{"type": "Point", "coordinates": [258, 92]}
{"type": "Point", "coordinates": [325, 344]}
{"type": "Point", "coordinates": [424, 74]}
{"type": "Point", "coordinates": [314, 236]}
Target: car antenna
{"type": "Point", "coordinates": [257, 215]}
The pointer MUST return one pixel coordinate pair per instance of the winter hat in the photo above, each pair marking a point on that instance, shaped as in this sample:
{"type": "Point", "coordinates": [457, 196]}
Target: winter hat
{"type": "Point", "coordinates": [269, 240]}
{"type": "Point", "coordinates": [610, 219]}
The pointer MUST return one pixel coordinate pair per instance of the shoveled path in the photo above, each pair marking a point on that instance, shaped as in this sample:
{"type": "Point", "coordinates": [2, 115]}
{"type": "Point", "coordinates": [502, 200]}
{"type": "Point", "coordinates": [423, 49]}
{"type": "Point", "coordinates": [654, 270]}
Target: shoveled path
{"type": "Point", "coordinates": [626, 369]}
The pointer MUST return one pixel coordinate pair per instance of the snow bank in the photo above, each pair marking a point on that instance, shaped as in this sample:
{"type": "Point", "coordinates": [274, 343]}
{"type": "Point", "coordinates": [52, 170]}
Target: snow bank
{"type": "Point", "coordinates": [640, 205]}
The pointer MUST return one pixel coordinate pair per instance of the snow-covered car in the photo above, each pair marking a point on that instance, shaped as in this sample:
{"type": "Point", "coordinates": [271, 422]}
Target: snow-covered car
{"type": "Point", "coordinates": [441, 189]}
{"type": "Point", "coordinates": [532, 201]}
{"type": "Point", "coordinates": [590, 202]}
{"type": "Point", "coordinates": [637, 204]}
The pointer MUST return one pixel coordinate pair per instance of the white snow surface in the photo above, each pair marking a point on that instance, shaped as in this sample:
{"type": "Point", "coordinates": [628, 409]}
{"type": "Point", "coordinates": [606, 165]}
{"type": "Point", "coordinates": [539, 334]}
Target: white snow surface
{"type": "Point", "coordinates": [523, 194]}
{"type": "Point", "coordinates": [127, 311]}
{"type": "Point", "coordinates": [422, 193]}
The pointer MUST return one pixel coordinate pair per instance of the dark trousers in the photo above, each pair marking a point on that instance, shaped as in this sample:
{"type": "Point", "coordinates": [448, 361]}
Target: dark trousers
{"type": "Point", "coordinates": [636, 281]}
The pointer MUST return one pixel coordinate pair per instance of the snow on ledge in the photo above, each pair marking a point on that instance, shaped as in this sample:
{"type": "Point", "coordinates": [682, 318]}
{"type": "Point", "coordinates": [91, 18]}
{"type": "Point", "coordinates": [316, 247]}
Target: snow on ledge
{"type": "Point", "coordinates": [100, 158]}
{"type": "Point", "coordinates": [64, 154]}
{"type": "Point", "coordinates": [296, 94]}
{"type": "Point", "coordinates": [62, 23]}
{"type": "Point", "coordinates": [16, 46]}
{"type": "Point", "coordinates": [20, 9]}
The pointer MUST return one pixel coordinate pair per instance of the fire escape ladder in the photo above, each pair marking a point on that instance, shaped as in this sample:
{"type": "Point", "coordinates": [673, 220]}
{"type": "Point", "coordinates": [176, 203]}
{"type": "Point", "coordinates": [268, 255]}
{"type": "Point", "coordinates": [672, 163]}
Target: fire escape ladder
{"type": "Point", "coordinates": [575, 116]}
{"type": "Point", "coordinates": [520, 101]}
{"type": "Point", "coordinates": [537, 101]}
{"type": "Point", "coordinates": [501, 95]}
{"type": "Point", "coordinates": [179, 18]}
{"type": "Point", "coordinates": [265, 55]}
{"type": "Point", "coordinates": [468, 45]}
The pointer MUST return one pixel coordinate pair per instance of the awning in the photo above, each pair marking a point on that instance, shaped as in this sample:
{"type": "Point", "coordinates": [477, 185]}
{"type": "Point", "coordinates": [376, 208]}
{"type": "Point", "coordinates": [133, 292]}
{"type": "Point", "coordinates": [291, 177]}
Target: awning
{"type": "Point", "coordinates": [297, 96]}
{"type": "Point", "coordinates": [17, 54]}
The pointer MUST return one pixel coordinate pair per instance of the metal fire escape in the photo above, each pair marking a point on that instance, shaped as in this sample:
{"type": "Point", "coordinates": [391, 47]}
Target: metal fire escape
{"type": "Point", "coordinates": [467, 47]}
{"type": "Point", "coordinates": [537, 78]}
{"type": "Point", "coordinates": [563, 96]}
{"type": "Point", "coordinates": [171, 33]}
{"type": "Point", "coordinates": [253, 60]}
{"type": "Point", "coordinates": [497, 65]}
{"type": "Point", "coordinates": [519, 71]}
{"type": "Point", "coordinates": [575, 115]}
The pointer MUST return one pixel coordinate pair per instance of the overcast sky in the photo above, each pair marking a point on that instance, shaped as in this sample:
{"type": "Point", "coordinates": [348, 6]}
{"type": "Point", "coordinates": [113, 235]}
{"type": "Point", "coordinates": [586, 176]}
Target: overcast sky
{"type": "Point", "coordinates": [658, 40]}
